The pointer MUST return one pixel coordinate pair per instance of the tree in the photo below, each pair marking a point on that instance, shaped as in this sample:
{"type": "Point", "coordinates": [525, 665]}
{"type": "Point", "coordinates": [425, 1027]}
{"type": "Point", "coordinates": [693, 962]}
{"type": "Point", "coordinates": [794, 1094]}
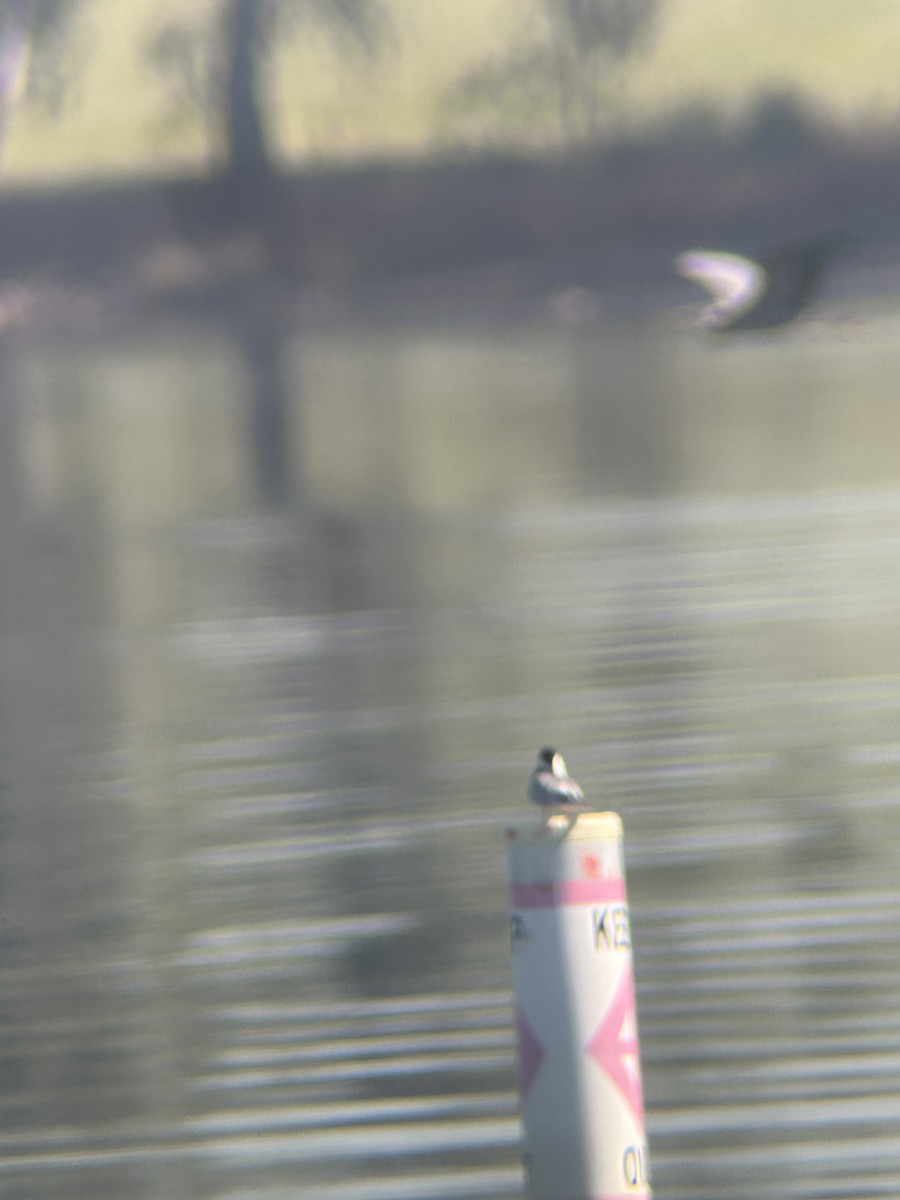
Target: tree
{"type": "Point", "coordinates": [587, 40]}
{"type": "Point", "coordinates": [30, 31]}
{"type": "Point", "coordinates": [565, 69]}
{"type": "Point", "coordinates": [224, 64]}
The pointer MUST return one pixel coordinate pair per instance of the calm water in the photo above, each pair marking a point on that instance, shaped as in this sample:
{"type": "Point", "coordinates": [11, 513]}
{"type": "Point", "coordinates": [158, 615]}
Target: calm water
{"type": "Point", "coordinates": [259, 745]}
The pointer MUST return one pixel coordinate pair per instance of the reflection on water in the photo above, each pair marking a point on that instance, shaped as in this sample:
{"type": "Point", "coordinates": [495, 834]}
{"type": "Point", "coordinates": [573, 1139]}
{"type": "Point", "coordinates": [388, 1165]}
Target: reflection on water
{"type": "Point", "coordinates": [257, 757]}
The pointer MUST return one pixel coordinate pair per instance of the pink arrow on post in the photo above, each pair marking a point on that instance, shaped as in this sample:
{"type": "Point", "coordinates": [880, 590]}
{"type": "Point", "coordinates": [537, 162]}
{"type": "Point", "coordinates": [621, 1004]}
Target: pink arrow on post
{"type": "Point", "coordinates": [614, 1045]}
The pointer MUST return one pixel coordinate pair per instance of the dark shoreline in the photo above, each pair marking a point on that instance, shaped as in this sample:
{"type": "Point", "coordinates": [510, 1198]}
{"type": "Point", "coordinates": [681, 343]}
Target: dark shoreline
{"type": "Point", "coordinates": [443, 236]}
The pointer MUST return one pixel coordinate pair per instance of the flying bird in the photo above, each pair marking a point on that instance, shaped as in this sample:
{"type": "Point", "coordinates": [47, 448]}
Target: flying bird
{"type": "Point", "coordinates": [760, 293]}
{"type": "Point", "coordinates": [550, 785]}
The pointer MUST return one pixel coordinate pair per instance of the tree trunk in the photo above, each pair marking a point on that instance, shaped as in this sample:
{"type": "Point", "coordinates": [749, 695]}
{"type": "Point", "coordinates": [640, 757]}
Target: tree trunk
{"type": "Point", "coordinates": [249, 159]}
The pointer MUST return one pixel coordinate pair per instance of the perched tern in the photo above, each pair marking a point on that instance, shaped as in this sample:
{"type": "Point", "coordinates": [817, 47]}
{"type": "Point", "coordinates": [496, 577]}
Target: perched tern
{"type": "Point", "coordinates": [758, 293]}
{"type": "Point", "coordinates": [550, 785]}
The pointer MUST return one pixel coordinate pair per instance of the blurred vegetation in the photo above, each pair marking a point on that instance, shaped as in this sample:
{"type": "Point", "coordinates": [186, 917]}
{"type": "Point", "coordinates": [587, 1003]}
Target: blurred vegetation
{"type": "Point", "coordinates": [371, 80]}
{"type": "Point", "coordinates": [570, 68]}
{"type": "Point", "coordinates": [583, 218]}
{"type": "Point", "coordinates": [538, 165]}
{"type": "Point", "coordinates": [218, 59]}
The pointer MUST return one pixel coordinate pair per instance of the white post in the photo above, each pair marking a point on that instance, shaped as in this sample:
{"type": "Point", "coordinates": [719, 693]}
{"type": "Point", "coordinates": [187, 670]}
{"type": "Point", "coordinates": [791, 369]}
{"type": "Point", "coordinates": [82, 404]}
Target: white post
{"type": "Point", "coordinates": [579, 1058]}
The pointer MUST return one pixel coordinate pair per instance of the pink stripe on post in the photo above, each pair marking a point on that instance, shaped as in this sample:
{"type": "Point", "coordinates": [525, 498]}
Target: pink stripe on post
{"type": "Point", "coordinates": [565, 892]}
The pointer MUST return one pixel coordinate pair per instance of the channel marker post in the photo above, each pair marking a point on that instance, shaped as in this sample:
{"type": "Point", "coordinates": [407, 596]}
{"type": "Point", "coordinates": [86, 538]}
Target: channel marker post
{"type": "Point", "coordinates": [573, 981]}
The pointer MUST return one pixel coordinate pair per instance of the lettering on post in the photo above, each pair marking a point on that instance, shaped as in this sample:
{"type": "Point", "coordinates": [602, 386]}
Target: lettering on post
{"type": "Point", "coordinates": [518, 930]}
{"type": "Point", "coordinates": [636, 1167]}
{"type": "Point", "coordinates": [611, 928]}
